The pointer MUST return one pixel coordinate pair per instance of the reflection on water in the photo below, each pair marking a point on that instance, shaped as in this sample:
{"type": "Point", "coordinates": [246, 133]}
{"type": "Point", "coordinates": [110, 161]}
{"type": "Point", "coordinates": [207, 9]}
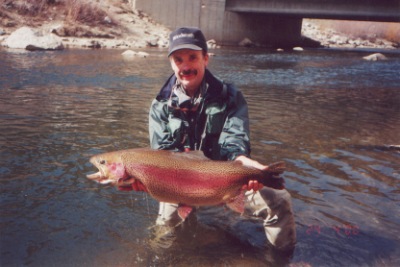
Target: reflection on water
{"type": "Point", "coordinates": [329, 114]}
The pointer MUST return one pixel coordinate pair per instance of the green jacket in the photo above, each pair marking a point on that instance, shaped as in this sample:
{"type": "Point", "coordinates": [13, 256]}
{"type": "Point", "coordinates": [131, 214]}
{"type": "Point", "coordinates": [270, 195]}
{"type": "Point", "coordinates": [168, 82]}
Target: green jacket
{"type": "Point", "coordinates": [219, 126]}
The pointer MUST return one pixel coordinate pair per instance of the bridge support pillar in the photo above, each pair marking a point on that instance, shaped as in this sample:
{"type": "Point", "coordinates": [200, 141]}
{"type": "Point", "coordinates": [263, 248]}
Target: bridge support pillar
{"type": "Point", "coordinates": [262, 29]}
{"type": "Point", "coordinates": [226, 27]}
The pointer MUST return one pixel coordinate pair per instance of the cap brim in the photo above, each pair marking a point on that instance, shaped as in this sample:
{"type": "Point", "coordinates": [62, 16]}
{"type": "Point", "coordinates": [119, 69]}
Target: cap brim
{"type": "Point", "coordinates": [185, 46]}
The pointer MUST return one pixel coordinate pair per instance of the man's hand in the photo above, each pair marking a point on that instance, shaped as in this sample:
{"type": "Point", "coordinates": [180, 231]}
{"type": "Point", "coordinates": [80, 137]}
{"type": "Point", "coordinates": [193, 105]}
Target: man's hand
{"type": "Point", "coordinates": [274, 170]}
{"type": "Point", "coordinates": [253, 184]}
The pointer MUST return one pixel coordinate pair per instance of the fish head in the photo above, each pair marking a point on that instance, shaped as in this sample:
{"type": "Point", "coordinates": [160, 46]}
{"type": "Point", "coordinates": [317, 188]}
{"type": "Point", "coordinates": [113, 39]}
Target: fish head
{"type": "Point", "coordinates": [111, 169]}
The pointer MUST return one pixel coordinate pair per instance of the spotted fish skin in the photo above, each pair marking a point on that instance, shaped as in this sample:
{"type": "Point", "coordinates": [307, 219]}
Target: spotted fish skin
{"type": "Point", "coordinates": [187, 178]}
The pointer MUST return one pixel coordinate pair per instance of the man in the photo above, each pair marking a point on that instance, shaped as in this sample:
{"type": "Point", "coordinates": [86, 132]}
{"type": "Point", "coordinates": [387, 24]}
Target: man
{"type": "Point", "coordinates": [196, 111]}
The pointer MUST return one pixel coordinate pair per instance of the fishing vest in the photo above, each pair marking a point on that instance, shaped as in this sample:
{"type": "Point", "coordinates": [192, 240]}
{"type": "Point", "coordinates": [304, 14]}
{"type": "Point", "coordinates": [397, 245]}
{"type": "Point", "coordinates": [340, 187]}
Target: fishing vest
{"type": "Point", "coordinates": [200, 129]}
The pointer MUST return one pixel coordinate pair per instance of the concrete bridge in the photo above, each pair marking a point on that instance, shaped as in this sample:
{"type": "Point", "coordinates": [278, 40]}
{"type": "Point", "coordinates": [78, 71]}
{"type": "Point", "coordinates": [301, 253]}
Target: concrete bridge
{"type": "Point", "coordinates": [266, 22]}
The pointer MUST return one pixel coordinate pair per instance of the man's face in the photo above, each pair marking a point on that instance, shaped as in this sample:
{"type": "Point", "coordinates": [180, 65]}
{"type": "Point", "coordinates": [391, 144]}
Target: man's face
{"type": "Point", "coordinates": [189, 67]}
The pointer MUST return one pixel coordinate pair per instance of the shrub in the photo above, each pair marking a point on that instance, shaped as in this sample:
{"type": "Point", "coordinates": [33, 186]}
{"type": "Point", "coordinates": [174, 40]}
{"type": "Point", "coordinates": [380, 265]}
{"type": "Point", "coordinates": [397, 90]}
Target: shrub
{"type": "Point", "coordinates": [85, 12]}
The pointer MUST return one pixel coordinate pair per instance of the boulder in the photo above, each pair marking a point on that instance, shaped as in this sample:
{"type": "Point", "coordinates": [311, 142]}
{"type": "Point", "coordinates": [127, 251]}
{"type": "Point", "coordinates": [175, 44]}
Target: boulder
{"type": "Point", "coordinates": [152, 42]}
{"type": "Point", "coordinates": [212, 44]}
{"type": "Point", "coordinates": [27, 38]}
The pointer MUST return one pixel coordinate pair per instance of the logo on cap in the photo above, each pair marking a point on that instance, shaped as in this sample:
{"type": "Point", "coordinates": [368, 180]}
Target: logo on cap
{"type": "Point", "coordinates": [183, 35]}
{"type": "Point", "coordinates": [189, 38]}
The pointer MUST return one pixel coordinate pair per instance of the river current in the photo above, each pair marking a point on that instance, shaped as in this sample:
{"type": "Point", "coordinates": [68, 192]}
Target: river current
{"type": "Point", "coordinates": [329, 114]}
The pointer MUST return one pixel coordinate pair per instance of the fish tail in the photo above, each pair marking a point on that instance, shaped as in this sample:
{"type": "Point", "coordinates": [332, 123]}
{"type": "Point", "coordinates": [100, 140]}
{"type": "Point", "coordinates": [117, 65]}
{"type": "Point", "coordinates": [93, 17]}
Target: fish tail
{"type": "Point", "coordinates": [276, 168]}
{"type": "Point", "coordinates": [272, 178]}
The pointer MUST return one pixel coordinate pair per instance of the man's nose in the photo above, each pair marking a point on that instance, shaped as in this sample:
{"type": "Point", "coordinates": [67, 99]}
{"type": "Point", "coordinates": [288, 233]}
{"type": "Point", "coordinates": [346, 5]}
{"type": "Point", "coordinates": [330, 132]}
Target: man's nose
{"type": "Point", "coordinates": [185, 66]}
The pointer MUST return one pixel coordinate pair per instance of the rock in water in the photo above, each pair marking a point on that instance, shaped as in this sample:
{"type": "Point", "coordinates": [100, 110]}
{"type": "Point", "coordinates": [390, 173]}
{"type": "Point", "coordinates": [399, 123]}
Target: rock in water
{"type": "Point", "coordinates": [375, 57]}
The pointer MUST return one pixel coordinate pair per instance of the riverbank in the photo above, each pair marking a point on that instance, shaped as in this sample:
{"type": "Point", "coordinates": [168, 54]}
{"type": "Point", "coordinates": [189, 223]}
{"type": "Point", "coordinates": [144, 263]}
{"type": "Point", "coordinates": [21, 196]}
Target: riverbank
{"type": "Point", "coordinates": [80, 24]}
{"type": "Point", "coordinates": [113, 24]}
{"type": "Point", "coordinates": [352, 34]}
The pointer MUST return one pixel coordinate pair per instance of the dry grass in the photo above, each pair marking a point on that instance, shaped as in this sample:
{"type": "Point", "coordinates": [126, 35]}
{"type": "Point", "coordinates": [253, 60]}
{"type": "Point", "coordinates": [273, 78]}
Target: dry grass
{"type": "Point", "coordinates": [26, 8]}
{"type": "Point", "coordinates": [70, 11]}
{"type": "Point", "coordinates": [31, 8]}
{"type": "Point", "coordinates": [86, 12]}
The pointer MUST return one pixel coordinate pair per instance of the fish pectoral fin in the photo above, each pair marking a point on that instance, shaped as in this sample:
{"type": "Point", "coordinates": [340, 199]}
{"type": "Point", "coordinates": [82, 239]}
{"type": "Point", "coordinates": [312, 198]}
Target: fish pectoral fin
{"type": "Point", "coordinates": [237, 203]}
{"type": "Point", "coordinates": [184, 211]}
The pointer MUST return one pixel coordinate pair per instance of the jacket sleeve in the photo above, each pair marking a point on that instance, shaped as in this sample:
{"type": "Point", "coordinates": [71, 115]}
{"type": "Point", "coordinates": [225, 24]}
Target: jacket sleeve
{"type": "Point", "coordinates": [235, 136]}
{"type": "Point", "coordinates": [160, 137]}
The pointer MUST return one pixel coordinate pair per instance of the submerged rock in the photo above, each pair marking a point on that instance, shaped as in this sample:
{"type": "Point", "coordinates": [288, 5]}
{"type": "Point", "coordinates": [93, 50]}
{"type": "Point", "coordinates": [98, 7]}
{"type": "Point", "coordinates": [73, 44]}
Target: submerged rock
{"type": "Point", "coordinates": [246, 42]}
{"type": "Point", "coordinates": [29, 39]}
{"type": "Point", "coordinates": [132, 54]}
{"type": "Point", "coordinates": [375, 57]}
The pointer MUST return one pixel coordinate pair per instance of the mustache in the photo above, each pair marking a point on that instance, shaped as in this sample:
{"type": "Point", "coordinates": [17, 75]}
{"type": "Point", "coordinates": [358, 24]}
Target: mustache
{"type": "Point", "coordinates": [188, 72]}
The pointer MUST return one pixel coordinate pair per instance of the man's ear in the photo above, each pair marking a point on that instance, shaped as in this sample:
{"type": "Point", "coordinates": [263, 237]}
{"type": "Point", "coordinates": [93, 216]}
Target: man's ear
{"type": "Point", "coordinates": [206, 58]}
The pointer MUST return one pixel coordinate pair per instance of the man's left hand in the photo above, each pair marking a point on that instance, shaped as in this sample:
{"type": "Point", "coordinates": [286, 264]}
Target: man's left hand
{"type": "Point", "coordinates": [253, 184]}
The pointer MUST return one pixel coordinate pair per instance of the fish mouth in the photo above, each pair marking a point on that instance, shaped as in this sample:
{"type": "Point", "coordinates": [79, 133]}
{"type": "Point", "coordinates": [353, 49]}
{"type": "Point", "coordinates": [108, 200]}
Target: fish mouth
{"type": "Point", "coordinates": [99, 177]}
{"type": "Point", "coordinates": [94, 176]}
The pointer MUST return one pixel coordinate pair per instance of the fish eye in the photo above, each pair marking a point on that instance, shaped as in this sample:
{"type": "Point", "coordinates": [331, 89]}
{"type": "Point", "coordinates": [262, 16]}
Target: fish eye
{"type": "Point", "coordinates": [102, 162]}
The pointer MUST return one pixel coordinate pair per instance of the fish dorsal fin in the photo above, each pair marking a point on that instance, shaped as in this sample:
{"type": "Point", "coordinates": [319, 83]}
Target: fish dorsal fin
{"type": "Point", "coordinates": [184, 211]}
{"type": "Point", "coordinates": [237, 203]}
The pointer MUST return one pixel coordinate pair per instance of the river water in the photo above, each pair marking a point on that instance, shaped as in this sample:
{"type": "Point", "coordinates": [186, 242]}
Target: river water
{"type": "Point", "coordinates": [329, 114]}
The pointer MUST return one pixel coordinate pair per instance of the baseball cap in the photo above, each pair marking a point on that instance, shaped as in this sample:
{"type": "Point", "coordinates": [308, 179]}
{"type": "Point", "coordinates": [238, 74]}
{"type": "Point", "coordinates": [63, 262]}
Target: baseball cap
{"type": "Point", "coordinates": [187, 38]}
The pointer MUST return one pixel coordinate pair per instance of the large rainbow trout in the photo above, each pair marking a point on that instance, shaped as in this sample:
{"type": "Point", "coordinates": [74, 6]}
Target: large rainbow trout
{"type": "Point", "coordinates": [184, 178]}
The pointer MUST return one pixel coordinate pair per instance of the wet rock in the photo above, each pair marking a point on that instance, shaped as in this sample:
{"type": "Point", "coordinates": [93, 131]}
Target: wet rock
{"type": "Point", "coordinates": [28, 38]}
{"type": "Point", "coordinates": [375, 57]}
{"type": "Point", "coordinates": [94, 44]}
{"type": "Point", "coordinates": [58, 30]}
{"type": "Point", "coordinates": [132, 54]}
{"type": "Point", "coordinates": [142, 54]}
{"type": "Point", "coordinates": [107, 20]}
{"type": "Point", "coordinates": [212, 44]}
{"type": "Point", "coordinates": [297, 48]}
{"type": "Point", "coordinates": [246, 42]}
{"type": "Point", "coordinates": [152, 42]}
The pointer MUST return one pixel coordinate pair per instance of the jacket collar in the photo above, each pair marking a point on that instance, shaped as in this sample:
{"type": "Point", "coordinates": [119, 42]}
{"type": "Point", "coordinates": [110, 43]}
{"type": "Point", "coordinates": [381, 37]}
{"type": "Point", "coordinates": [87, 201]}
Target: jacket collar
{"type": "Point", "coordinates": [214, 86]}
